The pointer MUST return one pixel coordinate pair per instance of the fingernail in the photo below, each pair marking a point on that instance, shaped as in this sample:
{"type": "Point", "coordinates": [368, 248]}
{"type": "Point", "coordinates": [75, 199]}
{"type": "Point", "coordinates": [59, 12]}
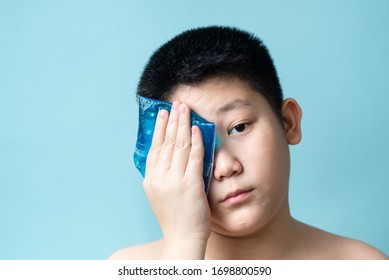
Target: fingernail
{"type": "Point", "coordinates": [162, 114]}
{"type": "Point", "coordinates": [175, 105]}
{"type": "Point", "coordinates": [182, 109]}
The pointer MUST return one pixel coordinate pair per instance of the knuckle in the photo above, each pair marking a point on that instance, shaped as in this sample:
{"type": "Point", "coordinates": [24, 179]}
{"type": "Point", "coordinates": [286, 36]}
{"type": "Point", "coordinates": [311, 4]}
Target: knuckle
{"type": "Point", "coordinates": [169, 140]}
{"type": "Point", "coordinates": [195, 156]}
{"type": "Point", "coordinates": [155, 149]}
{"type": "Point", "coordinates": [181, 145]}
{"type": "Point", "coordinates": [173, 120]}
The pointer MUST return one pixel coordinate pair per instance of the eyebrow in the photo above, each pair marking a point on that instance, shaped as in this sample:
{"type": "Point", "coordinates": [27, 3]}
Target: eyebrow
{"type": "Point", "coordinates": [234, 104]}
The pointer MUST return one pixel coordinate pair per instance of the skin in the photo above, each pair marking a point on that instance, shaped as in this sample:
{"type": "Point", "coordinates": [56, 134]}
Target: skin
{"type": "Point", "coordinates": [246, 213]}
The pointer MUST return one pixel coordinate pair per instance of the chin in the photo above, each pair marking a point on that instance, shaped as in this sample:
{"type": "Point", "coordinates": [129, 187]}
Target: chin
{"type": "Point", "coordinates": [238, 226]}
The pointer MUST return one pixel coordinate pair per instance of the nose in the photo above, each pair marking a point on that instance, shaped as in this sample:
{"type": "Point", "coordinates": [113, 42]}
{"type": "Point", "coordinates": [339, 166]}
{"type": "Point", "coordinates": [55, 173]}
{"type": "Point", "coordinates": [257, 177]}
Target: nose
{"type": "Point", "coordinates": [226, 164]}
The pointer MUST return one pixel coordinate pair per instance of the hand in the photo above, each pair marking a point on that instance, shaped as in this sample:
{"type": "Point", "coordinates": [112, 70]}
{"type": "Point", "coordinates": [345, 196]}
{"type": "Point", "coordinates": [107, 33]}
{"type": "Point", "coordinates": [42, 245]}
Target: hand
{"type": "Point", "coordinates": [174, 184]}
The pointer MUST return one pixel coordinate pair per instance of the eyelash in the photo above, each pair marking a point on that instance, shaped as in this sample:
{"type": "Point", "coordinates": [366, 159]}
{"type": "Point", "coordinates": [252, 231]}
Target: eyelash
{"type": "Point", "coordinates": [241, 124]}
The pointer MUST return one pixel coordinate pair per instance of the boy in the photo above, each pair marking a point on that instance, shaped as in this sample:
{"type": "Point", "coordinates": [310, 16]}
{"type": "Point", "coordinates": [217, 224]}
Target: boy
{"type": "Point", "coordinates": [227, 76]}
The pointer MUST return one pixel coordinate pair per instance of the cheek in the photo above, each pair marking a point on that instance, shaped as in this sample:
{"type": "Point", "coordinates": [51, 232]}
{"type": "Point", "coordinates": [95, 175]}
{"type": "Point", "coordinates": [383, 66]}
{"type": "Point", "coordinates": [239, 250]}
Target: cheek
{"type": "Point", "coordinates": [267, 155]}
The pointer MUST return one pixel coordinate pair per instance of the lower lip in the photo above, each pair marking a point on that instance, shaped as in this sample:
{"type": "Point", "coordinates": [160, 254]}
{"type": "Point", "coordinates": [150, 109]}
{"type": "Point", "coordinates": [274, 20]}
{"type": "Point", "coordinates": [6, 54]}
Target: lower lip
{"type": "Point", "coordinates": [237, 199]}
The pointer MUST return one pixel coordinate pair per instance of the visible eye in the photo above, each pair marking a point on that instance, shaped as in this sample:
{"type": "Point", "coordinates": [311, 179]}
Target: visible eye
{"type": "Point", "coordinates": [238, 128]}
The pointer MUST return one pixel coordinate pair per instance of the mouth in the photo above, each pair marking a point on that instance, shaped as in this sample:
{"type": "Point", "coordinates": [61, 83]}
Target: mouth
{"type": "Point", "coordinates": [236, 197]}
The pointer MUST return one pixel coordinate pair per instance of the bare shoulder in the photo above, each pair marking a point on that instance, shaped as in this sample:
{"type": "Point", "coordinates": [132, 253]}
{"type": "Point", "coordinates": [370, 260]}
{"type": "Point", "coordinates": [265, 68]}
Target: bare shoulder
{"type": "Point", "coordinates": [356, 250]}
{"type": "Point", "coordinates": [325, 245]}
{"type": "Point", "coordinates": [147, 251]}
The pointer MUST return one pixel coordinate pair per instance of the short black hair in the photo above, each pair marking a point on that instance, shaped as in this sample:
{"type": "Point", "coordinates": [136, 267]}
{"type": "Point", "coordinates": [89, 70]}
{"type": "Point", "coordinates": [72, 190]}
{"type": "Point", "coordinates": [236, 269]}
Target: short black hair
{"type": "Point", "coordinates": [197, 55]}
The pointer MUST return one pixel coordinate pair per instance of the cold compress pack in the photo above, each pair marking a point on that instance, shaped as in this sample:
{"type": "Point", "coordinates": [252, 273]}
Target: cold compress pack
{"type": "Point", "coordinates": [148, 111]}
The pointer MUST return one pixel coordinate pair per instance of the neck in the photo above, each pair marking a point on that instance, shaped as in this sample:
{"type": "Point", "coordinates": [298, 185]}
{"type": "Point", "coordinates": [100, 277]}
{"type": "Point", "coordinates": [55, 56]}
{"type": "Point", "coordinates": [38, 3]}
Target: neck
{"type": "Point", "coordinates": [273, 241]}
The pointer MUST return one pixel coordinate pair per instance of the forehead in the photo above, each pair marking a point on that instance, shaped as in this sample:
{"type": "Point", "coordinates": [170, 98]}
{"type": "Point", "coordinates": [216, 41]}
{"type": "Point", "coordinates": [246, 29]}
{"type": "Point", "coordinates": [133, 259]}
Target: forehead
{"type": "Point", "coordinates": [217, 96]}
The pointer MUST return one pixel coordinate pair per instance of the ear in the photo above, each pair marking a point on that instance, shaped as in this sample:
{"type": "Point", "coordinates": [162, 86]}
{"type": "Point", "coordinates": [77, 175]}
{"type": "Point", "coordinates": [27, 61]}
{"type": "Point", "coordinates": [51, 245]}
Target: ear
{"type": "Point", "coordinates": [291, 117]}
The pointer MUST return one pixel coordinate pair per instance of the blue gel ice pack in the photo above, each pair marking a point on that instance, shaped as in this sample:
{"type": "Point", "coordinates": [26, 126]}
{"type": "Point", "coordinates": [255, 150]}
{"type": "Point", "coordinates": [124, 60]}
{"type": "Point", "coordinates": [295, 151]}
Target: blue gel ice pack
{"type": "Point", "coordinates": [148, 111]}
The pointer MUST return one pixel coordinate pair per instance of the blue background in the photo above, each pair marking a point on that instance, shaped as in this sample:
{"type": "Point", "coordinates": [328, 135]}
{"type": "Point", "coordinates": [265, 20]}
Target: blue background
{"type": "Point", "coordinates": [68, 116]}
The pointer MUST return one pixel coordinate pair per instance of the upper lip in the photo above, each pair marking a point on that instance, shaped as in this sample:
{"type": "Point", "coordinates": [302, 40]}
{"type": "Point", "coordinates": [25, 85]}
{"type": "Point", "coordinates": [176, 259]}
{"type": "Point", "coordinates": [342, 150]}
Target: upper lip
{"type": "Point", "coordinates": [235, 193]}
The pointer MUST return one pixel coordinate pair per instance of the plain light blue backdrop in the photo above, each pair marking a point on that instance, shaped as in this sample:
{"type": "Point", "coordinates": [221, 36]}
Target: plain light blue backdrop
{"type": "Point", "coordinates": [68, 116]}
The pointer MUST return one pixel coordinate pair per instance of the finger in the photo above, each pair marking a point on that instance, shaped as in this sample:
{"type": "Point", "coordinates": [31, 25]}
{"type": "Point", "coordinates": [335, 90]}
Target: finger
{"type": "Point", "coordinates": [158, 139]}
{"type": "Point", "coordinates": [166, 153]}
{"type": "Point", "coordinates": [196, 155]}
{"type": "Point", "coordinates": [183, 140]}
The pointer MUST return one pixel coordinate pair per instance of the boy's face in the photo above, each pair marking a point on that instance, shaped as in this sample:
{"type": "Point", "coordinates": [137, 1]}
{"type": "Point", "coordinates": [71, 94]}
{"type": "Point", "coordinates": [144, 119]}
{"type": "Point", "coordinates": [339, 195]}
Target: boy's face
{"type": "Point", "coordinates": [251, 168]}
